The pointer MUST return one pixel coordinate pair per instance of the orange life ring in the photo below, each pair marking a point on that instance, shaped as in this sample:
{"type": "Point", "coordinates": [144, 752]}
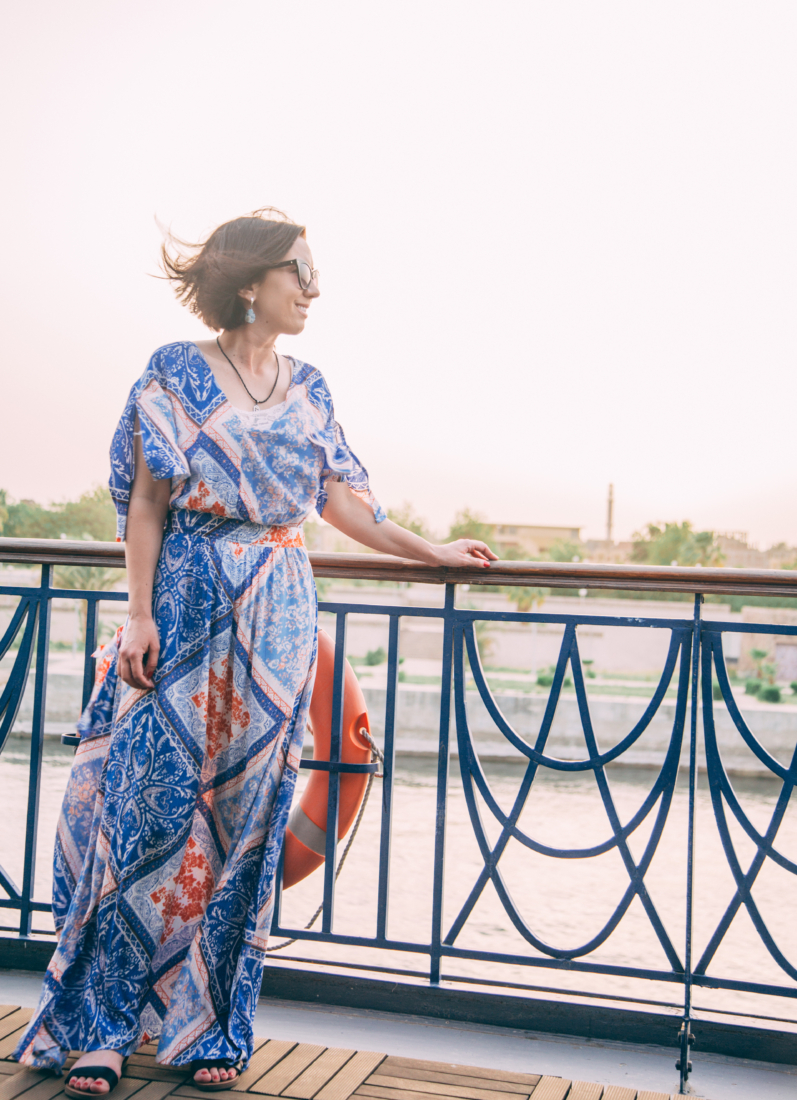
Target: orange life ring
{"type": "Point", "coordinates": [306, 835]}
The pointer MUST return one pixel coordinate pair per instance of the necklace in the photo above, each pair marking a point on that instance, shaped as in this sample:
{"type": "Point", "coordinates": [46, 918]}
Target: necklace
{"type": "Point", "coordinates": [276, 379]}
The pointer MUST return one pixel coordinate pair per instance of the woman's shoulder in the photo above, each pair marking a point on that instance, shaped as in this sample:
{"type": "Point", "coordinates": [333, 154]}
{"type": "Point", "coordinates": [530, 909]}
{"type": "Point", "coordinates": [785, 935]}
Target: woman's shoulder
{"type": "Point", "coordinates": [175, 360]}
{"type": "Point", "coordinates": [304, 374]}
{"type": "Point", "coordinates": [181, 370]}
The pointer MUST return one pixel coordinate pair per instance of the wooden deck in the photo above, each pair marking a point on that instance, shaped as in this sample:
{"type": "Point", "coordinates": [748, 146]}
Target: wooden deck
{"type": "Point", "coordinates": [303, 1071]}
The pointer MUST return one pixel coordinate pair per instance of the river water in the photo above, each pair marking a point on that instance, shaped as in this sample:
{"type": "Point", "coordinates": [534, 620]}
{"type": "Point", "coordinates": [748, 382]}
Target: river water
{"type": "Point", "coordinates": [565, 902]}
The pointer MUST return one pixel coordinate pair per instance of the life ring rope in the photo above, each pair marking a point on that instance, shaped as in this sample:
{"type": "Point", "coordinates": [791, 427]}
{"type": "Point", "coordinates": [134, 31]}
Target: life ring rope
{"type": "Point", "coordinates": [376, 754]}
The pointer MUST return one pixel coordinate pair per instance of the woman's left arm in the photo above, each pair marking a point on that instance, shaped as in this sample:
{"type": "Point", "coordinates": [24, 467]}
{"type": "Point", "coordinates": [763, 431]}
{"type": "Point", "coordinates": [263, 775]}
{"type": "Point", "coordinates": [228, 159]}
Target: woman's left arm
{"type": "Point", "coordinates": [354, 518]}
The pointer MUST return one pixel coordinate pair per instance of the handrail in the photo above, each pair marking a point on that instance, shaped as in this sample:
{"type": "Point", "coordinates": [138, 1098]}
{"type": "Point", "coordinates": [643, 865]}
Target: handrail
{"type": "Point", "coordinates": [695, 649]}
{"type": "Point", "coordinates": [385, 567]}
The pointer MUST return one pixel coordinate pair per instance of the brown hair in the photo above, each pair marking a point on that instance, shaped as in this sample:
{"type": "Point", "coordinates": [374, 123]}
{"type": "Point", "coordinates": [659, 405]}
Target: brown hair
{"type": "Point", "coordinates": [207, 277]}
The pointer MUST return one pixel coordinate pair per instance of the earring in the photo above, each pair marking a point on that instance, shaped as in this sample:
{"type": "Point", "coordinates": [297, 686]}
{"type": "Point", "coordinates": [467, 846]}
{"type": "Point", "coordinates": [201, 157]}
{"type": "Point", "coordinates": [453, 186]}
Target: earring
{"type": "Point", "coordinates": [249, 316]}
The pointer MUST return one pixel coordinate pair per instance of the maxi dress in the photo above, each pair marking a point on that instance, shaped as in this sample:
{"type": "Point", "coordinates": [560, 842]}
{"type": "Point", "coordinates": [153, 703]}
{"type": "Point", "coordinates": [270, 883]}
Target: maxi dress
{"type": "Point", "coordinates": [175, 812]}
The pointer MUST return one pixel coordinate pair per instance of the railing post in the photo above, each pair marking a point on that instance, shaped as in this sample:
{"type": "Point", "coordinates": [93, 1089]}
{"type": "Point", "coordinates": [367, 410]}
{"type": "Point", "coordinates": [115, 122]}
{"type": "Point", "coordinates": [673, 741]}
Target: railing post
{"type": "Point", "coordinates": [685, 1036]}
{"type": "Point", "coordinates": [91, 645]}
{"type": "Point", "coordinates": [442, 785]}
{"type": "Point", "coordinates": [387, 778]}
{"type": "Point", "coordinates": [36, 752]}
{"type": "Point", "coordinates": [336, 739]}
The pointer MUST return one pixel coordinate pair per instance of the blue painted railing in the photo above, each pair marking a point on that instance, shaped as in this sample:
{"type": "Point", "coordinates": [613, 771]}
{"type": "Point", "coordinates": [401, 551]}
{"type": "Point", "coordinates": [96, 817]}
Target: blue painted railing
{"type": "Point", "coordinates": [694, 659]}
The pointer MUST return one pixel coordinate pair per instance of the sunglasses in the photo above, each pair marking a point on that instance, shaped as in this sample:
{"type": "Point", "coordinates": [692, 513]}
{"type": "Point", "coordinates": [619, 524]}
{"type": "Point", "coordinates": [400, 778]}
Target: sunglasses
{"type": "Point", "coordinates": [304, 273]}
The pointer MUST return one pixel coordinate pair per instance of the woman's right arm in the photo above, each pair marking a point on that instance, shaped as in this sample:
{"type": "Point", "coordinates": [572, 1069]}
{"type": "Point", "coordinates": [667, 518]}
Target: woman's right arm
{"type": "Point", "coordinates": [146, 515]}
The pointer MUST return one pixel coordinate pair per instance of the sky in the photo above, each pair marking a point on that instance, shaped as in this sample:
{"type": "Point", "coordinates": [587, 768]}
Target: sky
{"type": "Point", "coordinates": [557, 240]}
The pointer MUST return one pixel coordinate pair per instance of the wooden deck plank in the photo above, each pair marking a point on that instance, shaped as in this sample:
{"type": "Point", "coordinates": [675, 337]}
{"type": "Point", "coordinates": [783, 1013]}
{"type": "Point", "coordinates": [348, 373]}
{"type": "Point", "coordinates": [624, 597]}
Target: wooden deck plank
{"type": "Point", "coordinates": [13, 1022]}
{"type": "Point", "coordinates": [8, 1045]}
{"type": "Point", "coordinates": [379, 1092]}
{"type": "Point", "coordinates": [305, 1071]}
{"type": "Point", "coordinates": [154, 1072]}
{"type": "Point", "coordinates": [482, 1081]}
{"type": "Point", "coordinates": [187, 1090]}
{"type": "Point", "coordinates": [267, 1056]}
{"type": "Point", "coordinates": [45, 1086]}
{"type": "Point", "coordinates": [437, 1088]}
{"type": "Point", "coordinates": [154, 1090]}
{"type": "Point", "coordinates": [22, 1080]}
{"type": "Point", "coordinates": [585, 1090]}
{"type": "Point", "coordinates": [319, 1073]}
{"type": "Point", "coordinates": [352, 1075]}
{"type": "Point", "coordinates": [286, 1071]}
{"type": "Point", "coordinates": [551, 1088]}
{"type": "Point", "coordinates": [393, 1062]}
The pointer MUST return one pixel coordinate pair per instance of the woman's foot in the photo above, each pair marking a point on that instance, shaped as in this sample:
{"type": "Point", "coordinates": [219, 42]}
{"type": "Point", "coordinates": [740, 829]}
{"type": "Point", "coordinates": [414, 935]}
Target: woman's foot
{"type": "Point", "coordinates": [112, 1059]}
{"type": "Point", "coordinates": [215, 1074]}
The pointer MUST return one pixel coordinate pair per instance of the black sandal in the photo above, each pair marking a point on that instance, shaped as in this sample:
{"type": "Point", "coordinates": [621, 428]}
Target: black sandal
{"type": "Point", "coordinates": [103, 1073]}
{"type": "Point", "coordinates": [215, 1063]}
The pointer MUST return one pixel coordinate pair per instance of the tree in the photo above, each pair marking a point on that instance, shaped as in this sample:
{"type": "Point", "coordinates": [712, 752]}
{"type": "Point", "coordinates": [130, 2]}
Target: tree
{"type": "Point", "coordinates": [524, 599]}
{"type": "Point", "coordinates": [406, 516]}
{"type": "Point", "coordinates": [564, 550]}
{"type": "Point", "coordinates": [471, 525]}
{"type": "Point", "coordinates": [676, 543]}
{"type": "Point", "coordinates": [91, 516]}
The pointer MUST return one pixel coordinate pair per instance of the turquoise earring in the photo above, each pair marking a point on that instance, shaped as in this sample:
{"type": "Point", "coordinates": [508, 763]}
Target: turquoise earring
{"type": "Point", "coordinates": [249, 316]}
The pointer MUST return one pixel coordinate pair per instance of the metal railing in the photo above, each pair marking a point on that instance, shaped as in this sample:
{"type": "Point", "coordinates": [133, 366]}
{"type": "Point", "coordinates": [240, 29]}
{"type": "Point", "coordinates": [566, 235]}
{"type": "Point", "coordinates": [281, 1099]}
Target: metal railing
{"type": "Point", "coordinates": [694, 659]}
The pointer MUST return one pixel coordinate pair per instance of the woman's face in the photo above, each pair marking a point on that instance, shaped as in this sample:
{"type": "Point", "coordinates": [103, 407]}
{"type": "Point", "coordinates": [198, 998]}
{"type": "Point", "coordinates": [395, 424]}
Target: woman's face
{"type": "Point", "coordinates": [280, 303]}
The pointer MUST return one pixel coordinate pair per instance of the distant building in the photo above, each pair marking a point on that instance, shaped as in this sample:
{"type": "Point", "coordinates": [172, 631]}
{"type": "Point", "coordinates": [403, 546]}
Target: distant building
{"type": "Point", "coordinates": [532, 542]}
{"type": "Point", "coordinates": [604, 552]}
{"type": "Point", "coordinates": [738, 553]}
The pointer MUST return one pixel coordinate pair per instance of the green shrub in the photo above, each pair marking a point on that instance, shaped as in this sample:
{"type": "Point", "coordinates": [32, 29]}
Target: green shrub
{"type": "Point", "coordinates": [793, 686]}
{"type": "Point", "coordinates": [568, 682]}
{"type": "Point", "coordinates": [752, 687]}
{"type": "Point", "coordinates": [717, 691]}
{"type": "Point", "coordinates": [545, 679]}
{"type": "Point", "coordinates": [376, 656]}
{"type": "Point", "coordinates": [770, 693]}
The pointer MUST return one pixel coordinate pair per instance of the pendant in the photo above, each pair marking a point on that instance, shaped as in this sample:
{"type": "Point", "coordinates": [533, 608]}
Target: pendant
{"type": "Point", "coordinates": [255, 409]}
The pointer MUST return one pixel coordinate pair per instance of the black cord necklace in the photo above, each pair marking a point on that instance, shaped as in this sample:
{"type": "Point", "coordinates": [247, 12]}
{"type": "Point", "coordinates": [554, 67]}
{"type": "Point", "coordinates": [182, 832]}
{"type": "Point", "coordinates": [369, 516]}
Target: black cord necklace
{"type": "Point", "coordinates": [276, 379]}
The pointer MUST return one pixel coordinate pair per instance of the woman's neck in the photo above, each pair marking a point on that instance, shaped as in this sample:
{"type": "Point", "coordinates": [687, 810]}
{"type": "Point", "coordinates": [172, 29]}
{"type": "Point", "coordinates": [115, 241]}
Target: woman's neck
{"type": "Point", "coordinates": [250, 348]}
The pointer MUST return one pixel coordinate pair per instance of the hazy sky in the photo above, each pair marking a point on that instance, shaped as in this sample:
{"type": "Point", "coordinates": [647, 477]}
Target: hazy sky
{"type": "Point", "coordinates": [558, 240]}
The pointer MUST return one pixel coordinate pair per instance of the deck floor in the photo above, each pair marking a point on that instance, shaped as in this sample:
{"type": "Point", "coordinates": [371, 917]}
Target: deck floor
{"type": "Point", "coordinates": [305, 1071]}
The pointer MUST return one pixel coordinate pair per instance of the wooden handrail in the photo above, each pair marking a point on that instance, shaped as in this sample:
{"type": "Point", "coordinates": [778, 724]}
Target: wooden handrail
{"type": "Point", "coordinates": [384, 567]}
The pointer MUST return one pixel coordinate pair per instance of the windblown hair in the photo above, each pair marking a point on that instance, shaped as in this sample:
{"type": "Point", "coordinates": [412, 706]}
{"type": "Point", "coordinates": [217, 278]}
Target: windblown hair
{"type": "Point", "coordinates": [207, 277]}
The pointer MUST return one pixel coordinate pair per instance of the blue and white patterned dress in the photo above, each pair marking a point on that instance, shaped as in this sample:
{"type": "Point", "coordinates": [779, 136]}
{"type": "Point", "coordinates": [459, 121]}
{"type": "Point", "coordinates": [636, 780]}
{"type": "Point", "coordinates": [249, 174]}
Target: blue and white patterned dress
{"type": "Point", "coordinates": [175, 813]}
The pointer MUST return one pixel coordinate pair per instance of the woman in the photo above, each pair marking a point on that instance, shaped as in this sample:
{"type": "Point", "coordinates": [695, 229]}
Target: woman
{"type": "Point", "coordinates": [175, 813]}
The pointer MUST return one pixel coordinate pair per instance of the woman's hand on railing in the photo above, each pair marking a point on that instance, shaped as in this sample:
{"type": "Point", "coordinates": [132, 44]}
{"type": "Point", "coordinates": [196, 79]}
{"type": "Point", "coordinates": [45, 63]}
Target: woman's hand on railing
{"type": "Point", "coordinates": [465, 552]}
{"type": "Point", "coordinates": [138, 655]}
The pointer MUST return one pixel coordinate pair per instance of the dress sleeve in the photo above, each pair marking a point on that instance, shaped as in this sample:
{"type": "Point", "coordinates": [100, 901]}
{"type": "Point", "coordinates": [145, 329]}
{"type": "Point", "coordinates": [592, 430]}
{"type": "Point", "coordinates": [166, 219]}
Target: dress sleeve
{"type": "Point", "coordinates": [340, 461]}
{"type": "Point", "coordinates": [159, 438]}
